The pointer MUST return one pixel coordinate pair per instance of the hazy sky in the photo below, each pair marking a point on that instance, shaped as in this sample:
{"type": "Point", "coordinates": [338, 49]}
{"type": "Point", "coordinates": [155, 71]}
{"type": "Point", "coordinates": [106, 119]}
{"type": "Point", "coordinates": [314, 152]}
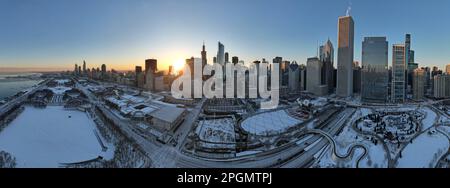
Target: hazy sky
{"type": "Point", "coordinates": [123, 33]}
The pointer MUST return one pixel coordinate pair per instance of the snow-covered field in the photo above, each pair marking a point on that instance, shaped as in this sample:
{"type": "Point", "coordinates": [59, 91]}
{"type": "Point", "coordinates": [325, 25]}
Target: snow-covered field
{"type": "Point", "coordinates": [269, 123]}
{"type": "Point", "coordinates": [425, 151]}
{"type": "Point", "coordinates": [47, 137]}
{"type": "Point", "coordinates": [429, 119]}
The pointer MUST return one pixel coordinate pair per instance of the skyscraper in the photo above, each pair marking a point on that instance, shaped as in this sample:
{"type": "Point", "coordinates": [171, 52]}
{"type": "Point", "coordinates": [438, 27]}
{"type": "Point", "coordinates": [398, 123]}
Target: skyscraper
{"type": "Point", "coordinates": [221, 54]}
{"type": "Point", "coordinates": [150, 70]}
{"type": "Point", "coordinates": [398, 73]}
{"type": "Point", "coordinates": [326, 55]}
{"type": "Point", "coordinates": [235, 60]}
{"type": "Point", "coordinates": [204, 58]}
{"type": "Point", "coordinates": [427, 79]}
{"type": "Point", "coordinates": [357, 79]}
{"type": "Point", "coordinates": [345, 56]}
{"type": "Point", "coordinates": [255, 88]}
{"type": "Point", "coordinates": [419, 84]}
{"type": "Point", "coordinates": [75, 71]}
{"type": "Point", "coordinates": [313, 80]}
{"type": "Point", "coordinates": [138, 69]}
{"type": "Point", "coordinates": [410, 64]}
{"type": "Point", "coordinates": [103, 71]}
{"type": "Point", "coordinates": [294, 77]}
{"type": "Point", "coordinates": [190, 64]}
{"type": "Point", "coordinates": [151, 64]}
{"type": "Point", "coordinates": [278, 60]}
{"type": "Point", "coordinates": [303, 74]}
{"type": "Point", "coordinates": [84, 67]}
{"type": "Point", "coordinates": [226, 57]}
{"type": "Point", "coordinates": [441, 86]}
{"type": "Point", "coordinates": [374, 73]}
{"type": "Point", "coordinates": [139, 77]}
{"type": "Point", "coordinates": [447, 69]}
{"type": "Point", "coordinates": [407, 47]}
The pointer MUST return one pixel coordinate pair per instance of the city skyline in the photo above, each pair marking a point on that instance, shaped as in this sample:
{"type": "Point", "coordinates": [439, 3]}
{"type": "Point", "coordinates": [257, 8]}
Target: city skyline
{"type": "Point", "coordinates": [250, 84]}
{"type": "Point", "coordinates": [122, 35]}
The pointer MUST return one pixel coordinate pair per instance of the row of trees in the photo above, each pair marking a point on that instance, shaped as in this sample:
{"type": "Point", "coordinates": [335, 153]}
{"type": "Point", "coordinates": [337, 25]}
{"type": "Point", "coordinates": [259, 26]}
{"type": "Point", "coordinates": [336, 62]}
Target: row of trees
{"type": "Point", "coordinates": [7, 160]}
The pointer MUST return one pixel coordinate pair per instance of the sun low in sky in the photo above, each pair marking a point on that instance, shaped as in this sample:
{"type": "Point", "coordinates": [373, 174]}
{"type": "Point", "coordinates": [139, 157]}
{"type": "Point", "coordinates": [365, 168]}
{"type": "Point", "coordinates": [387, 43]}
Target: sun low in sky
{"type": "Point", "coordinates": [178, 64]}
{"type": "Point", "coordinates": [56, 34]}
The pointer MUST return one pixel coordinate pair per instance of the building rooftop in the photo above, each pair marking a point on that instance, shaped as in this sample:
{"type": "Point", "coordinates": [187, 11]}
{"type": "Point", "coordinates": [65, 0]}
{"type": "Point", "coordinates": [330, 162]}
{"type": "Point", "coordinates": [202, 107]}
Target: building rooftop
{"type": "Point", "coordinates": [167, 113]}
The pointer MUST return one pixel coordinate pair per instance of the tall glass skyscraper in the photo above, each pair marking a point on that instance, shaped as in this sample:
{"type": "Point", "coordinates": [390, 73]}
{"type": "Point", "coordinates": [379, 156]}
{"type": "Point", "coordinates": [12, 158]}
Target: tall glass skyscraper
{"type": "Point", "coordinates": [345, 57]}
{"type": "Point", "coordinates": [398, 73]}
{"type": "Point", "coordinates": [374, 73]}
{"type": "Point", "coordinates": [221, 54]}
{"type": "Point", "coordinates": [326, 55]}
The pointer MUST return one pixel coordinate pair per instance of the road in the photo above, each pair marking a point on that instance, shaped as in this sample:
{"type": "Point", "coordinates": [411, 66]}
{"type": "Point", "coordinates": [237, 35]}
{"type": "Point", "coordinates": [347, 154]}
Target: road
{"type": "Point", "coordinates": [332, 128]}
{"type": "Point", "coordinates": [292, 154]}
{"type": "Point", "coordinates": [185, 127]}
{"type": "Point", "coordinates": [10, 104]}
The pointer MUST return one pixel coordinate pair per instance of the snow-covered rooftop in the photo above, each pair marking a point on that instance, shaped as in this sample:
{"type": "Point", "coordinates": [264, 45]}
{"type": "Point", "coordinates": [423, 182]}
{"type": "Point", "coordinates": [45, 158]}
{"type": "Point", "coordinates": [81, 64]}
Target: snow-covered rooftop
{"type": "Point", "coordinates": [269, 123]}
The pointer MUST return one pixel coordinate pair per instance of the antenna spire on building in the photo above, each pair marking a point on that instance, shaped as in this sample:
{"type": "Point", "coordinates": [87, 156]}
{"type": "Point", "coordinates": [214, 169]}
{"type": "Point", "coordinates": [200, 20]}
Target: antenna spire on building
{"type": "Point", "coordinates": [349, 9]}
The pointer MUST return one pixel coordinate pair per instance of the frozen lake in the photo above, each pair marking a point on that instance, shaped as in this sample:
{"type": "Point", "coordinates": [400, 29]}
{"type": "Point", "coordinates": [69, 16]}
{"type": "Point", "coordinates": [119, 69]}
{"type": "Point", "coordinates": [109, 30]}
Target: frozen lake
{"type": "Point", "coordinates": [47, 137]}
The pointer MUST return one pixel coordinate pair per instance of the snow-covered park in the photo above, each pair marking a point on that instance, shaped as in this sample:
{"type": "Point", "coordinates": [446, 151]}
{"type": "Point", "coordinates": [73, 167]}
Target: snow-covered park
{"type": "Point", "coordinates": [269, 123]}
{"type": "Point", "coordinates": [430, 118]}
{"type": "Point", "coordinates": [50, 136]}
{"type": "Point", "coordinates": [376, 155]}
{"type": "Point", "coordinates": [425, 151]}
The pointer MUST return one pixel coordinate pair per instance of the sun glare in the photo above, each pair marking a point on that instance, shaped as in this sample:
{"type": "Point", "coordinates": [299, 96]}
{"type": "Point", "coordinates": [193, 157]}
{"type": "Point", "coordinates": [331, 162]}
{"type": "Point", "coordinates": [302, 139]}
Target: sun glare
{"type": "Point", "coordinates": [178, 65]}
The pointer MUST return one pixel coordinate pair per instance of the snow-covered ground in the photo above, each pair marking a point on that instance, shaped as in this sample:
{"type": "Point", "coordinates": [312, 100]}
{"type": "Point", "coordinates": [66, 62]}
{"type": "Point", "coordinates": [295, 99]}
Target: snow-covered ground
{"type": "Point", "coordinates": [47, 137]}
{"type": "Point", "coordinates": [269, 123]}
{"type": "Point", "coordinates": [429, 119]}
{"type": "Point", "coordinates": [425, 151]}
{"type": "Point", "coordinates": [217, 130]}
{"type": "Point", "coordinates": [364, 111]}
{"type": "Point", "coordinates": [376, 156]}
